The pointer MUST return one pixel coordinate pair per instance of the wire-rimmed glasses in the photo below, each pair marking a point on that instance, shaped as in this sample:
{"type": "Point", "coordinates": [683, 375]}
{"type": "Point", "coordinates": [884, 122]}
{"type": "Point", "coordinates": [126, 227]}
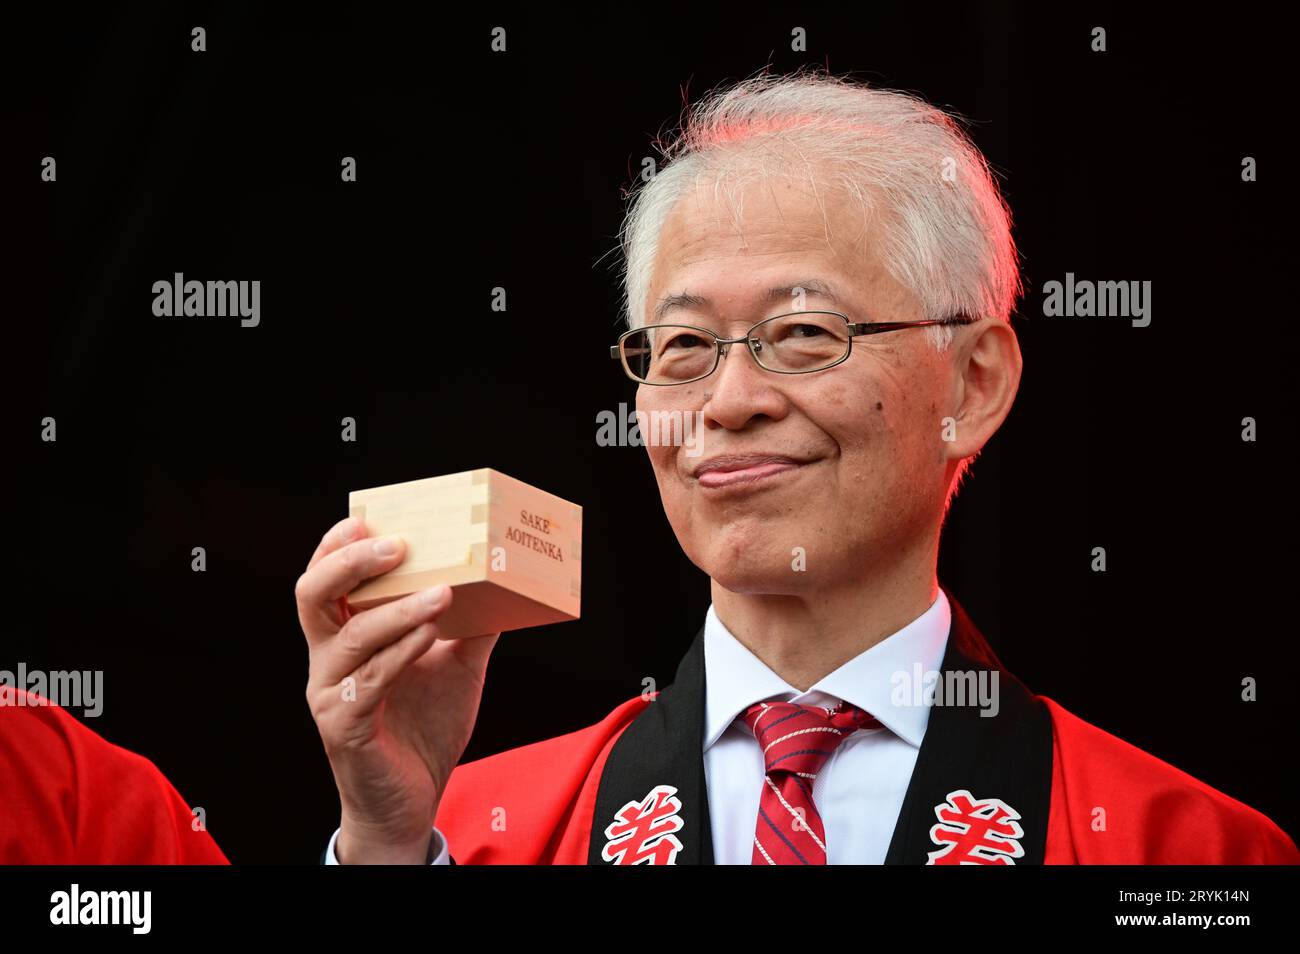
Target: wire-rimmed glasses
{"type": "Point", "coordinates": [800, 342]}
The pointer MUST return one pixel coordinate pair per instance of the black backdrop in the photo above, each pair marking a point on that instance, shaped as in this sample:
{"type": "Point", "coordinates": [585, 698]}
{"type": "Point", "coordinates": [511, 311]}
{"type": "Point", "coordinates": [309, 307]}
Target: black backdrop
{"type": "Point", "coordinates": [478, 170]}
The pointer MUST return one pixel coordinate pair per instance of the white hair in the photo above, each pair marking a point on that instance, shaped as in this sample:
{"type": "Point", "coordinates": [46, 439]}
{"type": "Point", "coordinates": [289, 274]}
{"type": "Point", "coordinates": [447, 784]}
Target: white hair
{"type": "Point", "coordinates": [943, 228]}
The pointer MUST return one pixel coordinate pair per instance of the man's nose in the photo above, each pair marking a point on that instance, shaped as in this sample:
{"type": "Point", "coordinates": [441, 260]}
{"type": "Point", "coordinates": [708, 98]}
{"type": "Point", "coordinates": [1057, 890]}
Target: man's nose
{"type": "Point", "coordinates": [739, 389]}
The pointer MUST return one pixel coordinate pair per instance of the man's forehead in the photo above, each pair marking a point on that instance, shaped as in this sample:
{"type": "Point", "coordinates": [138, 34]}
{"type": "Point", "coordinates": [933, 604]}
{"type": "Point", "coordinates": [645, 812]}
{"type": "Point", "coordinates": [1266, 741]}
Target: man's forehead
{"type": "Point", "coordinates": [771, 238]}
{"type": "Point", "coordinates": [761, 214]}
{"type": "Point", "coordinates": [783, 293]}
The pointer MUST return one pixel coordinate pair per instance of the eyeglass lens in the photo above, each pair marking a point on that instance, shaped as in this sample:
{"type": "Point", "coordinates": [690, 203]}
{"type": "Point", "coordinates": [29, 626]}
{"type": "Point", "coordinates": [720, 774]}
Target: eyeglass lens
{"type": "Point", "coordinates": [802, 342]}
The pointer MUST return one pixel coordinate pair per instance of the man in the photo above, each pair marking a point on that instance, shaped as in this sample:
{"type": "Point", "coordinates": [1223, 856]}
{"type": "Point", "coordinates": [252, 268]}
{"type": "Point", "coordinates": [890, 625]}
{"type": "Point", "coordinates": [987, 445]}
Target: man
{"type": "Point", "coordinates": [822, 274]}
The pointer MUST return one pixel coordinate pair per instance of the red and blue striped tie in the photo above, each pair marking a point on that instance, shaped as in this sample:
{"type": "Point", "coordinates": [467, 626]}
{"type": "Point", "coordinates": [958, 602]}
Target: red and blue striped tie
{"type": "Point", "coordinates": [796, 741]}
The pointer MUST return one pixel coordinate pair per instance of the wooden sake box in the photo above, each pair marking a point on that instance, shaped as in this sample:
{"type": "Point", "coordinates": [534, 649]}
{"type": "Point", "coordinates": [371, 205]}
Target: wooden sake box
{"type": "Point", "coordinates": [511, 553]}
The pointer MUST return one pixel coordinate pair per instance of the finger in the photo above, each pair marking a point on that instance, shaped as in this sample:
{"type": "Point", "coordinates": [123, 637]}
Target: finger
{"type": "Point", "coordinates": [344, 531]}
{"type": "Point", "coordinates": [337, 574]}
{"type": "Point", "coordinates": [376, 675]}
{"type": "Point", "coordinates": [374, 630]}
{"type": "Point", "coordinates": [473, 651]}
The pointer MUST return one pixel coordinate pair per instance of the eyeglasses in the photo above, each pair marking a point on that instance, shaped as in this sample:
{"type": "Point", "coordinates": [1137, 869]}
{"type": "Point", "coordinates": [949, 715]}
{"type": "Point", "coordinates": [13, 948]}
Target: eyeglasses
{"type": "Point", "coordinates": [797, 343]}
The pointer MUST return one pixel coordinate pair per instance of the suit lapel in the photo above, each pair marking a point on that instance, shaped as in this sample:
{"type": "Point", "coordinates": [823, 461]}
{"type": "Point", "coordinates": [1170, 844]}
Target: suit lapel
{"type": "Point", "coordinates": [975, 770]}
{"type": "Point", "coordinates": [652, 801]}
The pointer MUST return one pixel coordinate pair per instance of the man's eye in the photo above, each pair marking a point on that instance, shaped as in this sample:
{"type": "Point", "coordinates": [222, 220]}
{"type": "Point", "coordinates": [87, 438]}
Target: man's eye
{"type": "Point", "coordinates": [684, 341]}
{"type": "Point", "coordinates": [806, 331]}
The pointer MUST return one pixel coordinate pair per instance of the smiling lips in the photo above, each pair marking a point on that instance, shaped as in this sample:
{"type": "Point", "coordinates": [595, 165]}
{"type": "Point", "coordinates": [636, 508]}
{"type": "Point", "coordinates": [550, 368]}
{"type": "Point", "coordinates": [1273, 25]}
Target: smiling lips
{"type": "Point", "coordinates": [729, 470]}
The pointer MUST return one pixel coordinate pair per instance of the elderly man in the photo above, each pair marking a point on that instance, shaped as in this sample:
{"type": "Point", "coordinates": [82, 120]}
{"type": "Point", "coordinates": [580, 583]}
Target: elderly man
{"type": "Point", "coordinates": [822, 276]}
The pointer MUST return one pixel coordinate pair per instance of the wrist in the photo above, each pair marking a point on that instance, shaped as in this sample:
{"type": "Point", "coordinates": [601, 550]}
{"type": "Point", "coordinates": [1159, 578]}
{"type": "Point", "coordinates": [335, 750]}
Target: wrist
{"type": "Point", "coordinates": [359, 845]}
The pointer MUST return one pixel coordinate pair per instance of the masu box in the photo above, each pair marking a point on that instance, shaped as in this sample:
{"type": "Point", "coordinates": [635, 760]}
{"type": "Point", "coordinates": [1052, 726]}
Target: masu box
{"type": "Point", "coordinates": [511, 553]}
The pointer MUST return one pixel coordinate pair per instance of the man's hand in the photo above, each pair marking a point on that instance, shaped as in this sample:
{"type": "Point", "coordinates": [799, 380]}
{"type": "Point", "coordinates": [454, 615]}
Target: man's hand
{"type": "Point", "coordinates": [394, 703]}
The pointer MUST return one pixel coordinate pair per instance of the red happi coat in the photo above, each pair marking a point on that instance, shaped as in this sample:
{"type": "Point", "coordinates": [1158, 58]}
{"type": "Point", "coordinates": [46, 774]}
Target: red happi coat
{"type": "Point", "coordinates": [1022, 787]}
{"type": "Point", "coordinates": [68, 796]}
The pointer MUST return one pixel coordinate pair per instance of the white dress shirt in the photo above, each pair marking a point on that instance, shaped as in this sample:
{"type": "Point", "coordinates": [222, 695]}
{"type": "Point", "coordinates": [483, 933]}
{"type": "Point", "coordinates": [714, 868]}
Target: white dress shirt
{"type": "Point", "coordinates": [859, 791]}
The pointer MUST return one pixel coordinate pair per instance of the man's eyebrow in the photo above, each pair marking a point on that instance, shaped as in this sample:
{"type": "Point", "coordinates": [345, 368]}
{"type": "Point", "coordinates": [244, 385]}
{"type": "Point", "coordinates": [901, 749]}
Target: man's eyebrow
{"type": "Point", "coordinates": [812, 286]}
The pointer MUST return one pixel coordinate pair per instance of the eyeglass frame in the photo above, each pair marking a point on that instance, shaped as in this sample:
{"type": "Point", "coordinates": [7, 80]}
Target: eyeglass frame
{"type": "Point", "coordinates": [855, 329]}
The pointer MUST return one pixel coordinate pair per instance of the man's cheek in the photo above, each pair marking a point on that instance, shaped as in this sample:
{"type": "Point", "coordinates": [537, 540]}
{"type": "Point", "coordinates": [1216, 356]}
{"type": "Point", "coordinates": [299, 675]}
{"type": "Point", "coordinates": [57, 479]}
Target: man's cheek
{"type": "Point", "coordinates": [661, 459]}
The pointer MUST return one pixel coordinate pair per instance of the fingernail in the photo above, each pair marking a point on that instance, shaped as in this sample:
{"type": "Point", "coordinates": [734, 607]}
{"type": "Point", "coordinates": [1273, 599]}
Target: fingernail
{"type": "Point", "coordinates": [433, 594]}
{"type": "Point", "coordinates": [386, 546]}
{"type": "Point", "coordinates": [346, 529]}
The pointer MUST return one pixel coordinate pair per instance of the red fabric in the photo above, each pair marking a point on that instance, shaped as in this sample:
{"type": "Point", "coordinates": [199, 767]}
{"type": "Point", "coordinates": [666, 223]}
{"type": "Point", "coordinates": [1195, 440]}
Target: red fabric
{"type": "Point", "coordinates": [797, 740]}
{"type": "Point", "coordinates": [542, 798]}
{"type": "Point", "coordinates": [68, 796]}
{"type": "Point", "coordinates": [1154, 813]}
{"type": "Point", "coordinates": [531, 805]}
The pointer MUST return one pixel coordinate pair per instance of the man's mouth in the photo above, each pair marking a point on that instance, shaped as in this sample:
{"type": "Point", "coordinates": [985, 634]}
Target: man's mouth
{"type": "Point", "coordinates": [733, 469]}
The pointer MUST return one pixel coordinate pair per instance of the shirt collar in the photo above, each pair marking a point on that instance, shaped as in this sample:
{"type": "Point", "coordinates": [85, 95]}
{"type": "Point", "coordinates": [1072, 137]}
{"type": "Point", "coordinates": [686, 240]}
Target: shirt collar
{"type": "Point", "coordinates": [735, 678]}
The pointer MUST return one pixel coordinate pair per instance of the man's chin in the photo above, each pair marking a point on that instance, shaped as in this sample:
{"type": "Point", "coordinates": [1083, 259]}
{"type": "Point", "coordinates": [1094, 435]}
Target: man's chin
{"type": "Point", "coordinates": [769, 577]}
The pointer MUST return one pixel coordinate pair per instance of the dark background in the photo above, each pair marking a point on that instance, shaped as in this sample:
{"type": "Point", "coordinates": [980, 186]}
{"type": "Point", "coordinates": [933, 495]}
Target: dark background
{"type": "Point", "coordinates": [477, 170]}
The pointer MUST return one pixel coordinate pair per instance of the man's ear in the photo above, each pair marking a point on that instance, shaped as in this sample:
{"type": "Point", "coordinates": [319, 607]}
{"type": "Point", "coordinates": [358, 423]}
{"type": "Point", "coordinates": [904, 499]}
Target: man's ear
{"type": "Point", "coordinates": [988, 368]}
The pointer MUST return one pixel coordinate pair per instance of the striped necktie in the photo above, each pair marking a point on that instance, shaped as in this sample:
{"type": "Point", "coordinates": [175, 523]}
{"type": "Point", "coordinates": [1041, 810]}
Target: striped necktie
{"type": "Point", "coordinates": [796, 741]}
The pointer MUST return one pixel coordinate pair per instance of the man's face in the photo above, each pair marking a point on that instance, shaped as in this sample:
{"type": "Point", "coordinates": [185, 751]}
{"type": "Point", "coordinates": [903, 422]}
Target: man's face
{"type": "Point", "coordinates": [867, 469]}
